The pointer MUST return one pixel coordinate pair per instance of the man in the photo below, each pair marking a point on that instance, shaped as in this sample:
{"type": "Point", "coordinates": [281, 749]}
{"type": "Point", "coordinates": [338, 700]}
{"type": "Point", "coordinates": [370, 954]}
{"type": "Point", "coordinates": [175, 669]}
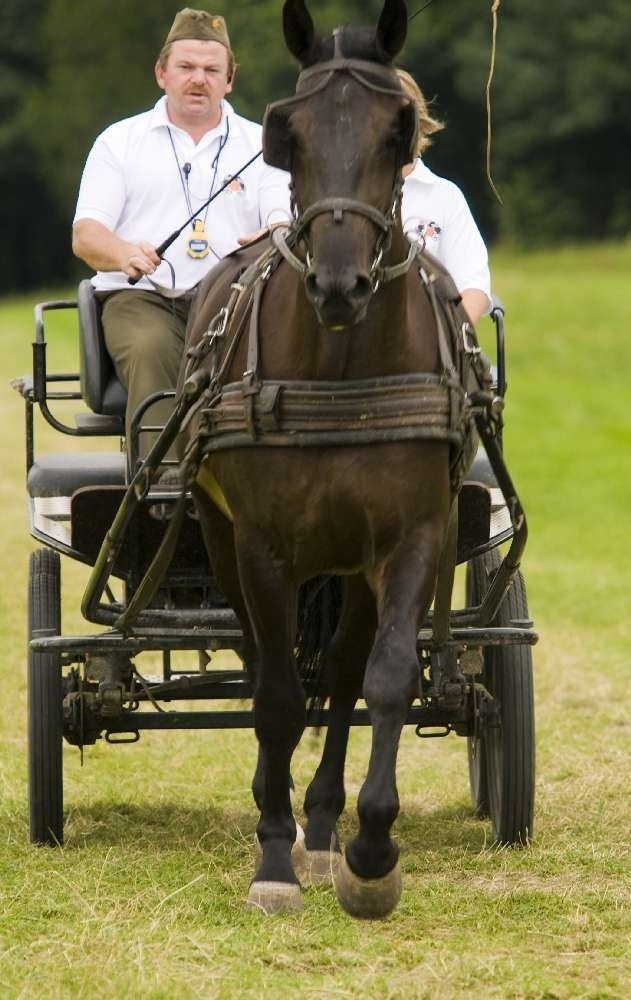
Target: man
{"type": "Point", "coordinates": [144, 177]}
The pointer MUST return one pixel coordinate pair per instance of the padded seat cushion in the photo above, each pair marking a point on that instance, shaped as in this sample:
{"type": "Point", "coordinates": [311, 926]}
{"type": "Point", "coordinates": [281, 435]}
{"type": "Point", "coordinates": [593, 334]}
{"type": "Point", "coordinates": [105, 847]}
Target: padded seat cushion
{"type": "Point", "coordinates": [100, 387]}
{"type": "Point", "coordinates": [62, 475]}
{"type": "Point", "coordinates": [480, 470]}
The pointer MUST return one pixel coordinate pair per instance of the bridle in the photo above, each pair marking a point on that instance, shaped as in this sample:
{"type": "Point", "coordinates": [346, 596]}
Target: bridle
{"type": "Point", "coordinates": [298, 231]}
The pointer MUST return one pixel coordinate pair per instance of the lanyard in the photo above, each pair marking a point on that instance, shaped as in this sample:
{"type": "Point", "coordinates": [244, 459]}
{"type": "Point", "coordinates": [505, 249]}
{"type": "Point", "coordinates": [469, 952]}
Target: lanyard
{"type": "Point", "coordinates": [186, 169]}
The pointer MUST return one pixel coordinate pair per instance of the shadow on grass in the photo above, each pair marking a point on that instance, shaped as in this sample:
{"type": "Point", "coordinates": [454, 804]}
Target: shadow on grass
{"type": "Point", "coordinates": [163, 826]}
{"type": "Point", "coordinates": [444, 830]}
{"type": "Point", "coordinates": [169, 826]}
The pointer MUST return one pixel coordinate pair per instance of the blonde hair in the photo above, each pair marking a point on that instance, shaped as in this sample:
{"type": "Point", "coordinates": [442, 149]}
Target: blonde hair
{"type": "Point", "coordinates": [426, 124]}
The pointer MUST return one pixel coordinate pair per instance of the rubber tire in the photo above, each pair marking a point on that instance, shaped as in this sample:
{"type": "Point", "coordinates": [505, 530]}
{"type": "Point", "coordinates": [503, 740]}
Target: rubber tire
{"type": "Point", "coordinates": [476, 585]}
{"type": "Point", "coordinates": [508, 750]}
{"type": "Point", "coordinates": [45, 711]}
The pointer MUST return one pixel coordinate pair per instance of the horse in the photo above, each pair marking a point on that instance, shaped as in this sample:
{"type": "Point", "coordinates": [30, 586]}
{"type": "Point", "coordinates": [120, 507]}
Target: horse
{"type": "Point", "coordinates": [324, 444]}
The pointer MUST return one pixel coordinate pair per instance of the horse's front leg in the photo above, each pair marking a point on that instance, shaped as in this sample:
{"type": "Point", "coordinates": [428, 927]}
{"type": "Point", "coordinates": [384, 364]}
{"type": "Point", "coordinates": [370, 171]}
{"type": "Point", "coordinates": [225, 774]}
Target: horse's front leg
{"type": "Point", "coordinates": [279, 717]}
{"type": "Point", "coordinates": [345, 663]}
{"type": "Point", "coordinates": [368, 880]}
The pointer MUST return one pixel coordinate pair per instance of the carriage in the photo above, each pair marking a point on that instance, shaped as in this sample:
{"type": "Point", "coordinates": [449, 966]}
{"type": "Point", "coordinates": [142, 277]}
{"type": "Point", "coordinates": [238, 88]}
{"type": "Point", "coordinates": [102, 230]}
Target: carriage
{"type": "Point", "coordinates": [73, 499]}
{"type": "Point", "coordinates": [108, 510]}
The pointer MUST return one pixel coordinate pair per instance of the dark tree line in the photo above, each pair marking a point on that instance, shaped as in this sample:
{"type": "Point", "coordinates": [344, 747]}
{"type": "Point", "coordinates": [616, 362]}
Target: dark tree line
{"type": "Point", "coordinates": [561, 94]}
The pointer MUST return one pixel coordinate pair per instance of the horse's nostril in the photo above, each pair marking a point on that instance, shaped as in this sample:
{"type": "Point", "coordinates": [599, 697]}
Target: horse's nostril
{"type": "Point", "coordinates": [311, 285]}
{"type": "Point", "coordinates": [363, 288]}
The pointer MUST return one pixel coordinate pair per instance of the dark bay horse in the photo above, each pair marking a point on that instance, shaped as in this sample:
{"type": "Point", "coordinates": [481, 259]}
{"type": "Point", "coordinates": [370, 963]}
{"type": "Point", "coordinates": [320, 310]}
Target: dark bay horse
{"type": "Point", "coordinates": [323, 446]}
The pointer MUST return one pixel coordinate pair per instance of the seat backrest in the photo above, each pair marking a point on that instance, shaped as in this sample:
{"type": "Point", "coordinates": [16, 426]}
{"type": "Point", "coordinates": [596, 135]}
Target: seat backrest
{"type": "Point", "coordinates": [100, 387]}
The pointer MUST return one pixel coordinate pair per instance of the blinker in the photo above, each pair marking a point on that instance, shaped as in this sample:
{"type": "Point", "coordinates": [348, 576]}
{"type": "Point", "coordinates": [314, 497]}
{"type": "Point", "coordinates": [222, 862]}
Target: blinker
{"type": "Point", "coordinates": [276, 144]}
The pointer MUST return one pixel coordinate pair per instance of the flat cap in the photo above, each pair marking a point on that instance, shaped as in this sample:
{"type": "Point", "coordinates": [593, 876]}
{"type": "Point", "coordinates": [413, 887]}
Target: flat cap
{"type": "Point", "coordinates": [199, 25]}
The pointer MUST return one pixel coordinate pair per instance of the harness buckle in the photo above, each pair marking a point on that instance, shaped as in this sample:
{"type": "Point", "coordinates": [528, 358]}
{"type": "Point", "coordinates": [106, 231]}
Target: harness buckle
{"type": "Point", "coordinates": [217, 327]}
{"type": "Point", "coordinates": [375, 271]}
{"type": "Point", "coordinates": [469, 340]}
{"type": "Point", "coordinates": [266, 272]}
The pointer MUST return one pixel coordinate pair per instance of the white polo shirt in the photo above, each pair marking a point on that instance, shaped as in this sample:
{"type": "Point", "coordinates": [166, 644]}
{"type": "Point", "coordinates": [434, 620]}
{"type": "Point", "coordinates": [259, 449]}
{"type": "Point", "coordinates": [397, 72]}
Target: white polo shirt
{"type": "Point", "coordinates": [134, 183]}
{"type": "Point", "coordinates": [437, 210]}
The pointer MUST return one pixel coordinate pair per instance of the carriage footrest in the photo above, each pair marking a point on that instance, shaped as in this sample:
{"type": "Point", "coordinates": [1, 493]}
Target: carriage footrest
{"type": "Point", "coordinates": [490, 636]}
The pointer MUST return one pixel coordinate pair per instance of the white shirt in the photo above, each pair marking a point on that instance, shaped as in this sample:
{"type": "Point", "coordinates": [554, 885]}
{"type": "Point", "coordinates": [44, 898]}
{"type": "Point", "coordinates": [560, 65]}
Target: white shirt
{"type": "Point", "coordinates": [134, 184]}
{"type": "Point", "coordinates": [437, 210]}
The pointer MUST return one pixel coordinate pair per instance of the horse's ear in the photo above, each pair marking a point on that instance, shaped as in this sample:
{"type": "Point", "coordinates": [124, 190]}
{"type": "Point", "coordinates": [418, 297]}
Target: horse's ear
{"type": "Point", "coordinates": [392, 29]}
{"type": "Point", "coordinates": [298, 29]}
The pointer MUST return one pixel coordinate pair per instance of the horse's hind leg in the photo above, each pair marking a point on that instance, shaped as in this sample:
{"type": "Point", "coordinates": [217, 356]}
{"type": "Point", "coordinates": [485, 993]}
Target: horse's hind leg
{"type": "Point", "coordinates": [368, 881]}
{"type": "Point", "coordinates": [345, 664]}
{"type": "Point", "coordinates": [279, 718]}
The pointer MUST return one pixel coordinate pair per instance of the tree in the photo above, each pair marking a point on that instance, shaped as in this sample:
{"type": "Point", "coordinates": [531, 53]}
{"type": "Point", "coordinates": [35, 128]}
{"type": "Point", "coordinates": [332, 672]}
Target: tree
{"type": "Point", "coordinates": [560, 106]}
{"type": "Point", "coordinates": [560, 98]}
{"type": "Point", "coordinates": [26, 222]}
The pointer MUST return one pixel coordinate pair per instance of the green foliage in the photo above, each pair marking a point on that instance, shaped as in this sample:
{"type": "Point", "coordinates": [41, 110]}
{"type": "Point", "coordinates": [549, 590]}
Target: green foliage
{"type": "Point", "coordinates": [560, 106]}
{"type": "Point", "coordinates": [24, 246]}
{"type": "Point", "coordinates": [560, 99]}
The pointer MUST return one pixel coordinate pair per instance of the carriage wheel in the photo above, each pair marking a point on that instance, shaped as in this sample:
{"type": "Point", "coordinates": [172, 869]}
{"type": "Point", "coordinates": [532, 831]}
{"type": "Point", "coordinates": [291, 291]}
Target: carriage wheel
{"type": "Point", "coordinates": [502, 772]}
{"type": "Point", "coordinates": [45, 703]}
{"type": "Point", "coordinates": [477, 581]}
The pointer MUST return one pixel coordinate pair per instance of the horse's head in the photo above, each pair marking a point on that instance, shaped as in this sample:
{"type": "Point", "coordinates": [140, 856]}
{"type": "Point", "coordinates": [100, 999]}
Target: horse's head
{"type": "Point", "coordinates": [344, 138]}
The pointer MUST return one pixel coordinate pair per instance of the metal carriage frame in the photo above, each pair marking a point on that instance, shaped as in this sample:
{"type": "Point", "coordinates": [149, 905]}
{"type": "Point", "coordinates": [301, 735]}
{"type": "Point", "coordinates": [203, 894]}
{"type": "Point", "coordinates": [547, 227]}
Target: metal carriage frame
{"type": "Point", "coordinates": [475, 676]}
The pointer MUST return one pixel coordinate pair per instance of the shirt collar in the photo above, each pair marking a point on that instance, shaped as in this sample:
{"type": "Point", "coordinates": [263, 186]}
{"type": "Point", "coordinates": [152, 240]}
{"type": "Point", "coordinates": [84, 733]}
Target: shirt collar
{"type": "Point", "coordinates": [421, 173]}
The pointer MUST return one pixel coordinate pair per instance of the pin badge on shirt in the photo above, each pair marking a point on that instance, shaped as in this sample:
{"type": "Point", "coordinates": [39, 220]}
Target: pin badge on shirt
{"type": "Point", "coordinates": [429, 230]}
{"type": "Point", "coordinates": [235, 184]}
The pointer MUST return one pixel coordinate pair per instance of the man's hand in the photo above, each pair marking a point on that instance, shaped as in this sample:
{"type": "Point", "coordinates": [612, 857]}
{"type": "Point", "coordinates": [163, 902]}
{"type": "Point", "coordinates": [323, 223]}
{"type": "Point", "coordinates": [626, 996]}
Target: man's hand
{"type": "Point", "coordinates": [139, 259]}
{"type": "Point", "coordinates": [252, 237]}
{"type": "Point", "coordinates": [102, 250]}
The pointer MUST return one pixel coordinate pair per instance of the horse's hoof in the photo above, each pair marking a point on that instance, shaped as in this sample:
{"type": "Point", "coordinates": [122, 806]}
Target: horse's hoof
{"type": "Point", "coordinates": [274, 897]}
{"type": "Point", "coordinates": [322, 866]}
{"type": "Point", "coordinates": [300, 856]}
{"type": "Point", "coordinates": [367, 898]}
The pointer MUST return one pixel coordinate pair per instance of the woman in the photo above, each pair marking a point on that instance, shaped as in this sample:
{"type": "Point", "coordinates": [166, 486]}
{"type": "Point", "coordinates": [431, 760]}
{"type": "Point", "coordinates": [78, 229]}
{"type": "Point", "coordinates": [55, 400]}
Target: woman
{"type": "Point", "coordinates": [436, 210]}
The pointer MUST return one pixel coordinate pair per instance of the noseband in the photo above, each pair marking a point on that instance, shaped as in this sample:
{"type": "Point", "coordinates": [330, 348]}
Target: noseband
{"type": "Point", "coordinates": [383, 222]}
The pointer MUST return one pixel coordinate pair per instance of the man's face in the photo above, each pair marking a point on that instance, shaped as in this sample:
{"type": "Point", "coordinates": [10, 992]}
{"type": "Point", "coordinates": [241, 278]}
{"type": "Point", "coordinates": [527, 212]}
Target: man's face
{"type": "Point", "coordinates": [195, 79]}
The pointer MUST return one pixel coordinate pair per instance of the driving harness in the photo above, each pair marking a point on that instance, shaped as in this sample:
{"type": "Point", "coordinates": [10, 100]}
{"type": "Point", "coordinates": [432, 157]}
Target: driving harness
{"type": "Point", "coordinates": [257, 412]}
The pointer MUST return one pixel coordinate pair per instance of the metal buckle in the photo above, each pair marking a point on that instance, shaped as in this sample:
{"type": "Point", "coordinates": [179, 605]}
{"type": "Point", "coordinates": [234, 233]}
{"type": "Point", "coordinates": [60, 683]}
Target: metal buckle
{"type": "Point", "coordinates": [374, 275]}
{"type": "Point", "coordinates": [468, 332]}
{"type": "Point", "coordinates": [218, 325]}
{"type": "Point", "coordinates": [266, 271]}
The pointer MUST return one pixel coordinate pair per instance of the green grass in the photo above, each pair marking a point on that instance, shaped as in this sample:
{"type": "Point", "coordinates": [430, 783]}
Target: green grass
{"type": "Point", "coordinates": [146, 898]}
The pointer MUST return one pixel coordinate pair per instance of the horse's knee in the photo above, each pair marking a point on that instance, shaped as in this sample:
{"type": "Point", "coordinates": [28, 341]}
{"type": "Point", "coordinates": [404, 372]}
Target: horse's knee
{"type": "Point", "coordinates": [279, 716]}
{"type": "Point", "coordinates": [392, 675]}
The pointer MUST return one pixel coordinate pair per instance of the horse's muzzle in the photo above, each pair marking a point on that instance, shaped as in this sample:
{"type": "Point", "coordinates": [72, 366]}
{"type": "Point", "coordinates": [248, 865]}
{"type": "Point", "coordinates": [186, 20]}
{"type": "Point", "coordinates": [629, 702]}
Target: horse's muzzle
{"type": "Point", "coordinates": [340, 299]}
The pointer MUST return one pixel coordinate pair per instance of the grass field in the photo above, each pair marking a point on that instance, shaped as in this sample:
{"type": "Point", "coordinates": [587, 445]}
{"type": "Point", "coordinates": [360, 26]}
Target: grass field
{"type": "Point", "coordinates": [146, 898]}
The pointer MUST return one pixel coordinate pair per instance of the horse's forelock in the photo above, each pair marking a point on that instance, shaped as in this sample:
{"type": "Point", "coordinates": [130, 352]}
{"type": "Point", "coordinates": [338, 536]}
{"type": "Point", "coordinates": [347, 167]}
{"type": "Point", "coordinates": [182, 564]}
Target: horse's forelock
{"type": "Point", "coordinates": [352, 43]}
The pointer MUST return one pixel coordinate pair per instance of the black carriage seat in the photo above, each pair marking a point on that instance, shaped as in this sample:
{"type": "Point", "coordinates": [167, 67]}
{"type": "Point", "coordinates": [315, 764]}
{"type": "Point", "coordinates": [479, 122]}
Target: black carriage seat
{"type": "Point", "coordinates": [53, 479]}
{"type": "Point", "coordinates": [100, 387]}
{"type": "Point", "coordinates": [52, 482]}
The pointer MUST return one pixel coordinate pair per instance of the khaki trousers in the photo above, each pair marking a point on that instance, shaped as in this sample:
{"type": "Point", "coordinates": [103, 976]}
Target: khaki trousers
{"type": "Point", "coordinates": [144, 335]}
